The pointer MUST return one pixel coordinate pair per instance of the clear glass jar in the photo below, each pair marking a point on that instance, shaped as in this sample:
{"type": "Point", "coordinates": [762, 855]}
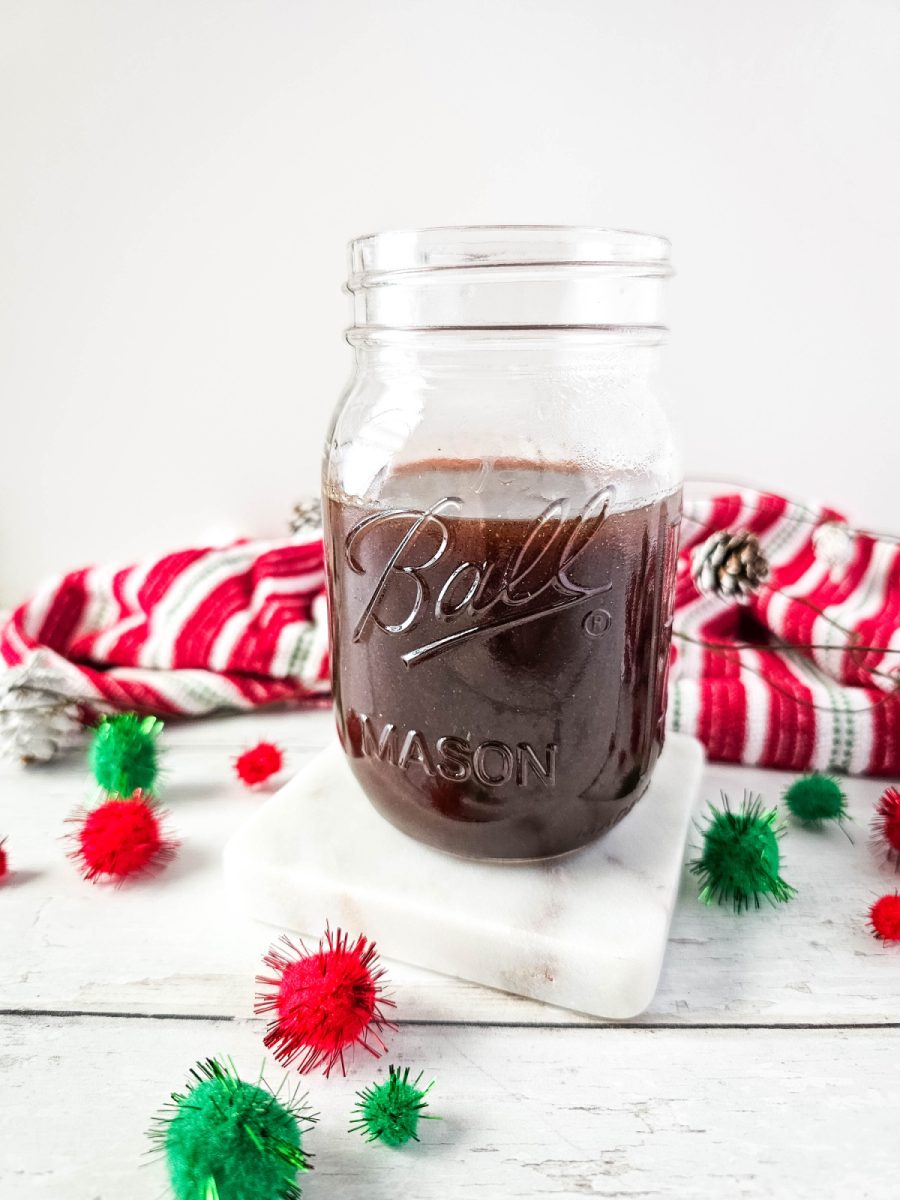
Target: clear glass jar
{"type": "Point", "coordinates": [502, 496]}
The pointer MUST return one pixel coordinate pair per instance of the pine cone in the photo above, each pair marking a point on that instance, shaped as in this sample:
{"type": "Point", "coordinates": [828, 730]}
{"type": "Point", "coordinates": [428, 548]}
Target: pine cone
{"type": "Point", "coordinates": [306, 515]}
{"type": "Point", "coordinates": [730, 566]}
{"type": "Point", "coordinates": [37, 722]}
{"type": "Point", "coordinates": [36, 726]}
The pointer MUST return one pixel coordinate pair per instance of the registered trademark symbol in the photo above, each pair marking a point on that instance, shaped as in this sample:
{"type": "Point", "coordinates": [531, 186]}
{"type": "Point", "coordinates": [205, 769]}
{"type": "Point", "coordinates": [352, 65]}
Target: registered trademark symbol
{"type": "Point", "coordinates": [596, 623]}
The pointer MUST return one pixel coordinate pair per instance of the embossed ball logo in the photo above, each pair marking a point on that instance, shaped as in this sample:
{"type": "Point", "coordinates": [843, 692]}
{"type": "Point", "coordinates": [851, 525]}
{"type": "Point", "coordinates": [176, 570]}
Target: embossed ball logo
{"type": "Point", "coordinates": [477, 599]}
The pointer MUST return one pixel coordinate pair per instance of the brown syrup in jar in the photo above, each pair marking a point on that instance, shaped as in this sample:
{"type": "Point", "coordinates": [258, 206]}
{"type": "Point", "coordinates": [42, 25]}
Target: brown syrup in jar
{"type": "Point", "coordinates": [499, 681]}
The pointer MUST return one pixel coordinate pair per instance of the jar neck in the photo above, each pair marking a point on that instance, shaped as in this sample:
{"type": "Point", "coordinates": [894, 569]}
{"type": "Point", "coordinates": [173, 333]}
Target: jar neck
{"type": "Point", "coordinates": [512, 277]}
{"type": "Point", "coordinates": [627, 350]}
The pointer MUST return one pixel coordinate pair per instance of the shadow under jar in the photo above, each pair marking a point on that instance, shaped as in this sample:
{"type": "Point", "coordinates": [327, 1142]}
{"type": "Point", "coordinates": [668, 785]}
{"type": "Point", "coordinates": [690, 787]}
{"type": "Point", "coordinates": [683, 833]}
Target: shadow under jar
{"type": "Point", "coordinates": [502, 497]}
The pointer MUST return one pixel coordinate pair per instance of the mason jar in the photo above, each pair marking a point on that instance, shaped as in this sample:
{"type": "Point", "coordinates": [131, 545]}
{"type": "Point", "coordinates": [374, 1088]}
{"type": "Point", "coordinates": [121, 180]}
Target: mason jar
{"type": "Point", "coordinates": [501, 497]}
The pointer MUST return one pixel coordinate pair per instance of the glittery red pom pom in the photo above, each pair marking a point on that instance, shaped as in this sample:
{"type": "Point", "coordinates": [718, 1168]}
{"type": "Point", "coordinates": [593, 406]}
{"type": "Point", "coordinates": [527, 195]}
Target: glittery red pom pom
{"type": "Point", "coordinates": [884, 917]}
{"type": "Point", "coordinates": [259, 764]}
{"type": "Point", "coordinates": [324, 1002]}
{"type": "Point", "coordinates": [4, 861]}
{"type": "Point", "coordinates": [886, 825]}
{"type": "Point", "coordinates": [121, 838]}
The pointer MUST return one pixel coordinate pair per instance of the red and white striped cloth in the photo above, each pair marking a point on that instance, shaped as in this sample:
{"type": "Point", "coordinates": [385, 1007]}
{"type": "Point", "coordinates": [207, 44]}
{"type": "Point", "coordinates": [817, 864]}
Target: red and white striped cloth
{"type": "Point", "coordinates": [834, 707]}
{"type": "Point", "coordinates": [232, 627]}
{"type": "Point", "coordinates": [241, 626]}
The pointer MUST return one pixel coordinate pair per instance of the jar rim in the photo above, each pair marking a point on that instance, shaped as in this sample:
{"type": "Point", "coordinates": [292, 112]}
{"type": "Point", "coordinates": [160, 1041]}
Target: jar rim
{"type": "Point", "coordinates": [460, 247]}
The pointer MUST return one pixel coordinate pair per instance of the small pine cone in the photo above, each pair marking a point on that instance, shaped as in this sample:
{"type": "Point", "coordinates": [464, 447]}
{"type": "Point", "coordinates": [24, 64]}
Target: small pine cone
{"type": "Point", "coordinates": [36, 726]}
{"type": "Point", "coordinates": [730, 566]}
{"type": "Point", "coordinates": [307, 515]}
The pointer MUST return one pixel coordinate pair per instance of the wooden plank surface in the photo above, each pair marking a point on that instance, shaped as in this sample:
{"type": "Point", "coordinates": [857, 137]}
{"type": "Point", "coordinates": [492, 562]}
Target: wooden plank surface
{"type": "Point", "coordinates": [551, 1112]}
{"type": "Point", "coordinates": [178, 945]}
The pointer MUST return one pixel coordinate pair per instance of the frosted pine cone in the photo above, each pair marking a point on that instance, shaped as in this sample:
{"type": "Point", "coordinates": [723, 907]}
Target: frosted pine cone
{"type": "Point", "coordinates": [37, 726]}
{"type": "Point", "coordinates": [307, 515]}
{"type": "Point", "coordinates": [834, 545]}
{"type": "Point", "coordinates": [37, 722]}
{"type": "Point", "coordinates": [730, 566]}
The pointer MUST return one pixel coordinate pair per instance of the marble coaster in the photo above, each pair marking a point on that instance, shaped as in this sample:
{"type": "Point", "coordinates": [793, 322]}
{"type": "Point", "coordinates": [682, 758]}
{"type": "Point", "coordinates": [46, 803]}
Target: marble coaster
{"type": "Point", "coordinates": [585, 932]}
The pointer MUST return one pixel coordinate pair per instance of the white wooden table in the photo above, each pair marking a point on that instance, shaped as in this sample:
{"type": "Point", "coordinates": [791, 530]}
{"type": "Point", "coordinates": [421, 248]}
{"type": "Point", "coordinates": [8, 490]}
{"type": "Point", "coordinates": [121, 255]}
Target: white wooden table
{"type": "Point", "coordinates": [768, 1065]}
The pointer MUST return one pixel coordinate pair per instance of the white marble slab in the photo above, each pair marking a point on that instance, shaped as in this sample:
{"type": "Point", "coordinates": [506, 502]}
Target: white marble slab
{"type": "Point", "coordinates": [586, 932]}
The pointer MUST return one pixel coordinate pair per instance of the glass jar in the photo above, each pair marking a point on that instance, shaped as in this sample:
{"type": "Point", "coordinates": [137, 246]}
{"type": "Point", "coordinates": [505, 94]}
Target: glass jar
{"type": "Point", "coordinates": [501, 499]}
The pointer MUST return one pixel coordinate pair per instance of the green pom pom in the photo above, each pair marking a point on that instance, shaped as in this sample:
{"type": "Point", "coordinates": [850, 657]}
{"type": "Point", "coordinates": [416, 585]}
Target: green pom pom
{"type": "Point", "coordinates": [813, 799]}
{"type": "Point", "coordinates": [123, 754]}
{"type": "Point", "coordinates": [231, 1140]}
{"type": "Point", "coordinates": [389, 1112]}
{"type": "Point", "coordinates": [740, 862]}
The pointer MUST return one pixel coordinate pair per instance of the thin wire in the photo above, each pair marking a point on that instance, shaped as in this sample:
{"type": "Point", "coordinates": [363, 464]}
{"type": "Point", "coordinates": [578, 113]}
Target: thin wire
{"type": "Point", "coordinates": [791, 653]}
{"type": "Point", "coordinates": [851, 636]}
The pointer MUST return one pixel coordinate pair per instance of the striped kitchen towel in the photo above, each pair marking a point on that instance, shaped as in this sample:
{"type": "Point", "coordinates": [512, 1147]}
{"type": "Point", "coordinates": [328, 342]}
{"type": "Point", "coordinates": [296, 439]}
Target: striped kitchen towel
{"type": "Point", "coordinates": [215, 628]}
{"type": "Point", "coordinates": [805, 675]}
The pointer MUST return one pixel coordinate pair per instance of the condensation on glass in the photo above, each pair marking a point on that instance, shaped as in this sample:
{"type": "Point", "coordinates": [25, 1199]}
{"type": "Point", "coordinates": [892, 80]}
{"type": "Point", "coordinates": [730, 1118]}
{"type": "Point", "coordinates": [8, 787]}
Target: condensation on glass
{"type": "Point", "coordinates": [502, 496]}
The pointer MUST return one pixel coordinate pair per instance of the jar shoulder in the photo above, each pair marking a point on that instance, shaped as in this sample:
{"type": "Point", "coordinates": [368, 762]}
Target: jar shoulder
{"type": "Point", "coordinates": [610, 428]}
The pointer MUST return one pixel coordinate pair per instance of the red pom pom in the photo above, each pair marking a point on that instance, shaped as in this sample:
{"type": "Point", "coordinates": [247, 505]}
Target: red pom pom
{"type": "Point", "coordinates": [887, 821]}
{"type": "Point", "coordinates": [324, 1002]}
{"type": "Point", "coordinates": [121, 838]}
{"type": "Point", "coordinates": [4, 861]}
{"type": "Point", "coordinates": [884, 917]}
{"type": "Point", "coordinates": [259, 764]}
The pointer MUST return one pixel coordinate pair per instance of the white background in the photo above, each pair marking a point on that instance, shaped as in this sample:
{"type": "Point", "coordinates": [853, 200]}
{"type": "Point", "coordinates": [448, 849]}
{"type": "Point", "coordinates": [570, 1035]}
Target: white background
{"type": "Point", "coordinates": [179, 180]}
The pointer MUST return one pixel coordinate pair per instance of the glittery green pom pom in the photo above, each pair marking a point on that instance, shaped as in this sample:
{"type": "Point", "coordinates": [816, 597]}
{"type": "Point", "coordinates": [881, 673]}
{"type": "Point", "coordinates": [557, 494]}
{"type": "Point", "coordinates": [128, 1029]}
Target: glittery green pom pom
{"type": "Point", "coordinates": [231, 1140]}
{"type": "Point", "coordinates": [813, 799]}
{"type": "Point", "coordinates": [740, 862]}
{"type": "Point", "coordinates": [123, 754]}
{"type": "Point", "coordinates": [389, 1112]}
